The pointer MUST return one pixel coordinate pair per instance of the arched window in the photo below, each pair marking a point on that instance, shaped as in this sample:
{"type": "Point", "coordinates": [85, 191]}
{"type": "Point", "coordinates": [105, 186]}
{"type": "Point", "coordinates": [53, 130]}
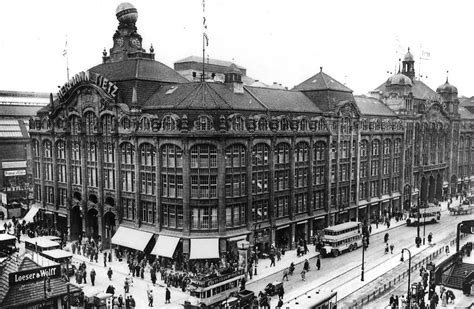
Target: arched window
{"type": "Point", "coordinates": [262, 124]}
{"type": "Point", "coordinates": [260, 181]}
{"type": "Point", "coordinates": [125, 123]}
{"type": "Point", "coordinates": [91, 162]}
{"type": "Point", "coordinates": [303, 124]}
{"type": "Point", "coordinates": [397, 147]}
{"type": "Point", "coordinates": [375, 147]}
{"type": "Point", "coordinates": [204, 123]}
{"type": "Point", "coordinates": [91, 122]}
{"type": "Point", "coordinates": [284, 124]}
{"type": "Point", "coordinates": [75, 123]}
{"type": "Point", "coordinates": [237, 123]}
{"type": "Point", "coordinates": [301, 170]}
{"type": "Point", "coordinates": [168, 123]}
{"type": "Point", "coordinates": [127, 160]}
{"type": "Point", "coordinates": [107, 124]}
{"type": "Point", "coordinates": [203, 173]}
{"type": "Point", "coordinates": [59, 123]}
{"type": "Point", "coordinates": [147, 170]}
{"type": "Point", "coordinates": [61, 161]}
{"type": "Point", "coordinates": [386, 146]}
{"type": "Point", "coordinates": [145, 124]}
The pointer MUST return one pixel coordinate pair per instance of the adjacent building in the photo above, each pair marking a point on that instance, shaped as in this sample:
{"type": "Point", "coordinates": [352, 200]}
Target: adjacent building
{"type": "Point", "coordinates": [132, 147]}
{"type": "Point", "coordinates": [16, 108]}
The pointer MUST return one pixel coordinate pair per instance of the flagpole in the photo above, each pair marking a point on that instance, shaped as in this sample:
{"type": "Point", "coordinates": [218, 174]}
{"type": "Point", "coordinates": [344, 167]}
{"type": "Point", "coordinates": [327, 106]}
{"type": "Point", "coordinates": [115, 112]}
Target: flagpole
{"type": "Point", "coordinates": [203, 55]}
{"type": "Point", "coordinates": [67, 66]}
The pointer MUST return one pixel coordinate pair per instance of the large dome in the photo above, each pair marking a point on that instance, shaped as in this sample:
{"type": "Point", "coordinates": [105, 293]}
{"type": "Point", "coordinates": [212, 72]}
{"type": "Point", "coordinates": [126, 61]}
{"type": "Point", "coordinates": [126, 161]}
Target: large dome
{"type": "Point", "coordinates": [399, 79]}
{"type": "Point", "coordinates": [447, 88]}
{"type": "Point", "coordinates": [126, 13]}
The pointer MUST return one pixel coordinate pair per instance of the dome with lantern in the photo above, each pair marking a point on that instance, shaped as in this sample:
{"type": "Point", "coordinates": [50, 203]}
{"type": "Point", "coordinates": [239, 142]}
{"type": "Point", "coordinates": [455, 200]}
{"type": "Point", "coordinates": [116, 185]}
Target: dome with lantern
{"type": "Point", "coordinates": [399, 79]}
{"type": "Point", "coordinates": [447, 88]}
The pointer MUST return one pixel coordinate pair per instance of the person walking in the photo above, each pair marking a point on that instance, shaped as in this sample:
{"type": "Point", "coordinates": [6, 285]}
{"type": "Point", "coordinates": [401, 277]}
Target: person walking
{"type": "Point", "coordinates": [84, 276]}
{"type": "Point", "coordinates": [318, 263]}
{"type": "Point", "coordinates": [127, 302]}
{"type": "Point", "coordinates": [272, 260]}
{"type": "Point", "coordinates": [303, 275]}
{"type": "Point", "coordinates": [306, 265]}
{"type": "Point", "coordinates": [92, 274]}
{"type": "Point", "coordinates": [391, 248]}
{"type": "Point", "coordinates": [385, 238]}
{"type": "Point", "coordinates": [167, 296]}
{"type": "Point", "coordinates": [430, 237]}
{"type": "Point", "coordinates": [105, 259]}
{"type": "Point", "coordinates": [153, 276]}
{"type": "Point", "coordinates": [285, 275]}
{"type": "Point", "coordinates": [109, 274]}
{"type": "Point", "coordinates": [150, 298]}
{"type": "Point", "coordinates": [120, 301]}
{"type": "Point", "coordinates": [132, 302]}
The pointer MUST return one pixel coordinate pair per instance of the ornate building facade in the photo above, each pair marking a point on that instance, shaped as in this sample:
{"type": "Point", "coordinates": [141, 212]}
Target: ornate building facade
{"type": "Point", "coordinates": [132, 144]}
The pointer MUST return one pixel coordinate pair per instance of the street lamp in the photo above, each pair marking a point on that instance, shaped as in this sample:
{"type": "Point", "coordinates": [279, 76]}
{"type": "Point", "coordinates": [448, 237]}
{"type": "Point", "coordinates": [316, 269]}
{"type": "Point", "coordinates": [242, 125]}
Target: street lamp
{"type": "Point", "coordinates": [417, 239]}
{"type": "Point", "coordinates": [255, 245]}
{"type": "Point", "coordinates": [364, 242]}
{"type": "Point", "coordinates": [409, 272]}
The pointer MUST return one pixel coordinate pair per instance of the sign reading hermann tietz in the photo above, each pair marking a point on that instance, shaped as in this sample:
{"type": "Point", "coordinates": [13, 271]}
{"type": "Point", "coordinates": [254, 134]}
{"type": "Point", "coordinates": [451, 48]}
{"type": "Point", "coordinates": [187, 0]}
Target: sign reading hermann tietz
{"type": "Point", "coordinates": [87, 76]}
{"type": "Point", "coordinates": [36, 274]}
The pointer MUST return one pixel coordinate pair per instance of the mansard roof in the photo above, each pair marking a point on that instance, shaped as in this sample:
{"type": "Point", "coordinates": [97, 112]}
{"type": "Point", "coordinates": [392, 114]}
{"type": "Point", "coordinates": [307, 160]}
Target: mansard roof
{"type": "Point", "coordinates": [138, 69]}
{"type": "Point", "coordinates": [221, 96]}
{"type": "Point", "coordinates": [369, 106]}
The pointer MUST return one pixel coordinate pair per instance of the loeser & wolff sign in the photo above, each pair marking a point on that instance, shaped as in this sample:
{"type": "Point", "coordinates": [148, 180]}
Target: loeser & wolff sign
{"type": "Point", "coordinates": [90, 77]}
{"type": "Point", "coordinates": [36, 274]}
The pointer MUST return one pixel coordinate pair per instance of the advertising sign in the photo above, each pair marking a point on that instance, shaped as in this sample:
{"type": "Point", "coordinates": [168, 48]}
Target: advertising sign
{"type": "Point", "coordinates": [36, 274]}
{"type": "Point", "coordinates": [11, 173]}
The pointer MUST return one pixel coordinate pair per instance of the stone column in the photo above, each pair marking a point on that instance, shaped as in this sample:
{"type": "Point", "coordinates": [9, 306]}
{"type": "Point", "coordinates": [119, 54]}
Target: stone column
{"type": "Point", "coordinates": [69, 184]}
{"type": "Point", "coordinates": [85, 198]}
{"type": "Point", "coordinates": [118, 182]}
{"type": "Point", "coordinates": [249, 212]}
{"type": "Point", "coordinates": [100, 186]}
{"type": "Point", "coordinates": [310, 204]}
{"type": "Point", "coordinates": [158, 185]}
{"type": "Point", "coordinates": [291, 201]}
{"type": "Point", "coordinates": [138, 219]}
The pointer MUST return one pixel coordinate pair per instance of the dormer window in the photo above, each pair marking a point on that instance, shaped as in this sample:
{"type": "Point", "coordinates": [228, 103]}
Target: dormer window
{"type": "Point", "coordinates": [262, 124]}
{"type": "Point", "coordinates": [204, 123]}
{"type": "Point", "coordinates": [168, 123]}
{"type": "Point", "coordinates": [145, 124]}
{"type": "Point", "coordinates": [284, 124]}
{"type": "Point", "coordinates": [126, 123]}
{"type": "Point", "coordinates": [237, 123]}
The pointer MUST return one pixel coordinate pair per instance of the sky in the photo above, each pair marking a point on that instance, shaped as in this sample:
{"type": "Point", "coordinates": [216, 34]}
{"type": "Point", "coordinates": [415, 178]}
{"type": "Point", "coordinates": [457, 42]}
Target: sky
{"type": "Point", "coordinates": [356, 42]}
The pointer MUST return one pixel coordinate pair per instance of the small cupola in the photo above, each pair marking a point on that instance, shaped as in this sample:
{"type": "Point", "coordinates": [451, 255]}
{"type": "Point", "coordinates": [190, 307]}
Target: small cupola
{"type": "Point", "coordinates": [234, 76]}
{"type": "Point", "coordinates": [449, 95]}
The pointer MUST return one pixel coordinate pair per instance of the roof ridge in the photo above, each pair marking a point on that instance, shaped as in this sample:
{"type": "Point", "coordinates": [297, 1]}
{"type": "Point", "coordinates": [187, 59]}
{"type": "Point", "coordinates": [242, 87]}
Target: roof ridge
{"type": "Point", "coordinates": [223, 100]}
{"type": "Point", "coordinates": [256, 98]}
{"type": "Point", "coordinates": [190, 93]}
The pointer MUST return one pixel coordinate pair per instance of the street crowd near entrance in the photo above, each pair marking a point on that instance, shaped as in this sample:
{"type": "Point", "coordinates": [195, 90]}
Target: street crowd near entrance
{"type": "Point", "coordinates": [127, 268]}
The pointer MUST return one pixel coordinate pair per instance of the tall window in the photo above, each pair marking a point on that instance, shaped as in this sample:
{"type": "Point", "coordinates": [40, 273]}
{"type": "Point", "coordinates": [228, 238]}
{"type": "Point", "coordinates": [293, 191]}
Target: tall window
{"type": "Point", "coordinates": [375, 147]}
{"type": "Point", "coordinates": [148, 211]}
{"type": "Point", "coordinates": [107, 124]}
{"type": "Point", "coordinates": [262, 124]}
{"type": "Point", "coordinates": [204, 186]}
{"type": "Point", "coordinates": [281, 206]}
{"type": "Point", "coordinates": [61, 161]}
{"type": "Point", "coordinates": [237, 123]}
{"type": "Point", "coordinates": [76, 164]}
{"type": "Point", "coordinates": [48, 160]}
{"type": "Point", "coordinates": [147, 169]}
{"type": "Point", "coordinates": [260, 168]}
{"type": "Point", "coordinates": [91, 123]}
{"type": "Point", "coordinates": [301, 165]}
{"type": "Point", "coordinates": [319, 163]}
{"type": "Point", "coordinates": [235, 163]}
{"type": "Point", "coordinates": [109, 165]}
{"type": "Point", "coordinates": [204, 123]}
{"type": "Point", "coordinates": [129, 208]}
{"type": "Point", "coordinates": [91, 164]}
{"type": "Point", "coordinates": [49, 195]}
{"type": "Point", "coordinates": [127, 161]}
{"type": "Point", "coordinates": [260, 181]}
{"type": "Point", "coordinates": [235, 214]}
{"type": "Point", "coordinates": [62, 198]}
{"type": "Point", "coordinates": [168, 123]}
{"type": "Point", "coordinates": [284, 124]}
{"type": "Point", "coordinates": [301, 201]}
{"type": "Point", "coordinates": [282, 167]}
{"type": "Point", "coordinates": [363, 149]}
{"type": "Point", "coordinates": [386, 146]}
{"type": "Point", "coordinates": [374, 168]}
{"type": "Point", "coordinates": [145, 124]}
{"type": "Point", "coordinates": [75, 124]}
{"type": "Point", "coordinates": [172, 186]}
{"type": "Point", "coordinates": [36, 159]}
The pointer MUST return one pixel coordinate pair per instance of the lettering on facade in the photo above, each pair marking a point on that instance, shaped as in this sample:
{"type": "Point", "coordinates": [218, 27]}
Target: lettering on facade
{"type": "Point", "coordinates": [34, 274]}
{"type": "Point", "coordinates": [209, 282]}
{"type": "Point", "coordinates": [89, 77]}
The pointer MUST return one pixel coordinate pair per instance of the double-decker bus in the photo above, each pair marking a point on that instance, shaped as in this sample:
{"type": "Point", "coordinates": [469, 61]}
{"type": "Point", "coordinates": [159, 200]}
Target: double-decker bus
{"type": "Point", "coordinates": [430, 214]}
{"type": "Point", "coordinates": [315, 300]}
{"type": "Point", "coordinates": [341, 237]}
{"type": "Point", "coordinates": [211, 291]}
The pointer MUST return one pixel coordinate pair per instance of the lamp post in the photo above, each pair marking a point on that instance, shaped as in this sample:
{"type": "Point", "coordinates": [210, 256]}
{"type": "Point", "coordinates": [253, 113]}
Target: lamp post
{"type": "Point", "coordinates": [364, 242]}
{"type": "Point", "coordinates": [409, 272]}
{"type": "Point", "coordinates": [417, 240]}
{"type": "Point", "coordinates": [424, 227]}
{"type": "Point", "coordinates": [255, 246]}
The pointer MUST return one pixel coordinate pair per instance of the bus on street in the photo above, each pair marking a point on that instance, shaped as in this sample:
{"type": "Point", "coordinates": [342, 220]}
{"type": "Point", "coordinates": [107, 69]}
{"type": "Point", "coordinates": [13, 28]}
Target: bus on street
{"type": "Point", "coordinates": [341, 237]}
{"type": "Point", "coordinates": [430, 214]}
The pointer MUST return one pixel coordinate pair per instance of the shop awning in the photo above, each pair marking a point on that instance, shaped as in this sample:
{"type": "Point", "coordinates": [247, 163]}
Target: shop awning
{"type": "Point", "coordinates": [165, 246]}
{"type": "Point", "coordinates": [31, 214]}
{"type": "Point", "coordinates": [131, 238]}
{"type": "Point", "coordinates": [204, 248]}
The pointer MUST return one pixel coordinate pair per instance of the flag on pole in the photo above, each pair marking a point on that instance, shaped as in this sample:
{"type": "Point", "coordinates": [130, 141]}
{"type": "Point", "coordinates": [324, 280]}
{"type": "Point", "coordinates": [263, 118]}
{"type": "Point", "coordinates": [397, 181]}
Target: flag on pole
{"type": "Point", "coordinates": [206, 38]}
{"type": "Point", "coordinates": [399, 47]}
{"type": "Point", "coordinates": [65, 50]}
{"type": "Point", "coordinates": [425, 55]}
